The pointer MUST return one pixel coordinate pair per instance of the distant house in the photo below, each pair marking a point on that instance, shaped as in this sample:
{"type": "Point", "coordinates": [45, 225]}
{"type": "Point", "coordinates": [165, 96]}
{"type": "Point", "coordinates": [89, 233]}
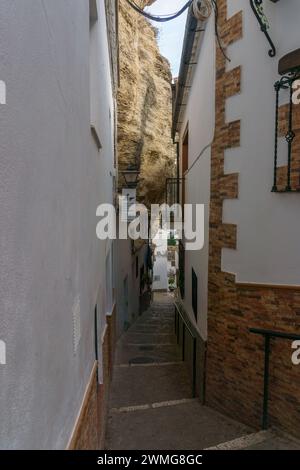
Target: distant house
{"type": "Point", "coordinates": [238, 146]}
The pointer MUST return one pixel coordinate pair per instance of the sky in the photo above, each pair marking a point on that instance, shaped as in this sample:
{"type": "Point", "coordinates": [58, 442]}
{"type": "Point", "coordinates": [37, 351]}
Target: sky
{"type": "Point", "coordinates": [171, 33]}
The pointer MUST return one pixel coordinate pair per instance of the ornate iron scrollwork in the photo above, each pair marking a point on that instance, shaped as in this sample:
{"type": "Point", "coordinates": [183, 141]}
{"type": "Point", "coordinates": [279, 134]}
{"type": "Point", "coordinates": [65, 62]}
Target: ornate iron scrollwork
{"type": "Point", "coordinates": [257, 7]}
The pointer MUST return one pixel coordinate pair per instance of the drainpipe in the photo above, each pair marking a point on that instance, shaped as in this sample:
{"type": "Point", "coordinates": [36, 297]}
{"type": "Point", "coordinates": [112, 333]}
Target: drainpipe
{"type": "Point", "coordinates": [189, 38]}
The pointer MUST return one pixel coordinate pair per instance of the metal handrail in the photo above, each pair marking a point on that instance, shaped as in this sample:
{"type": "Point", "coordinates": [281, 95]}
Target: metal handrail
{"type": "Point", "coordinates": [186, 326]}
{"type": "Point", "coordinates": [268, 334]}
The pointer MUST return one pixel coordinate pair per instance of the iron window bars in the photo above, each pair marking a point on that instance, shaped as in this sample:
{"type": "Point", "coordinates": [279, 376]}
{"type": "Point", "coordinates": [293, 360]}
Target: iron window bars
{"type": "Point", "coordinates": [286, 83]}
{"type": "Point", "coordinates": [173, 189]}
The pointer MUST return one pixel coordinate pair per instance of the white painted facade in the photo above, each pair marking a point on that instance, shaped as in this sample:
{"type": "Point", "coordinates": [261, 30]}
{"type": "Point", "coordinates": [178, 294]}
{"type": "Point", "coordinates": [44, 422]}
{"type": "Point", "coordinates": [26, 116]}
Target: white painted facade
{"type": "Point", "coordinates": [199, 117]}
{"type": "Point", "coordinates": [53, 177]}
{"type": "Point", "coordinates": [160, 264]}
{"type": "Point", "coordinates": [268, 225]}
{"type": "Point", "coordinates": [128, 265]}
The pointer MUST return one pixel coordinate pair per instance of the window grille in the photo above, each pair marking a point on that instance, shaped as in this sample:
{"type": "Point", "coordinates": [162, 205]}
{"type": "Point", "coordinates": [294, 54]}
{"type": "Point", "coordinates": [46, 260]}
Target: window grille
{"type": "Point", "coordinates": [287, 125]}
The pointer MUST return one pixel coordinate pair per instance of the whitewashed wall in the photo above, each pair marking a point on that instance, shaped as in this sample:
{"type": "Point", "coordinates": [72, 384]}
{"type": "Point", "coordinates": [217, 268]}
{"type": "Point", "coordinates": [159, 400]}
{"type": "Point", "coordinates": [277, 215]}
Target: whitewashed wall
{"type": "Point", "coordinates": [52, 180]}
{"type": "Point", "coordinates": [268, 224]}
{"type": "Point", "coordinates": [125, 267]}
{"type": "Point", "coordinates": [200, 116]}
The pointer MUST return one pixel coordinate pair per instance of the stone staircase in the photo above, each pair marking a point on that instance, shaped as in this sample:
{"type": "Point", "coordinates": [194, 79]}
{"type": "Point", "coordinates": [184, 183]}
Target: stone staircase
{"type": "Point", "coordinates": [151, 404]}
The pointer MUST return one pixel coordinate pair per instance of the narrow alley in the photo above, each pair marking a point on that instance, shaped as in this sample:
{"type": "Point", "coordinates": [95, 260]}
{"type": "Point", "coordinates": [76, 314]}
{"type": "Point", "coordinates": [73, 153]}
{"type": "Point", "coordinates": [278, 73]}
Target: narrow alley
{"type": "Point", "coordinates": [151, 405]}
{"type": "Point", "coordinates": [149, 234]}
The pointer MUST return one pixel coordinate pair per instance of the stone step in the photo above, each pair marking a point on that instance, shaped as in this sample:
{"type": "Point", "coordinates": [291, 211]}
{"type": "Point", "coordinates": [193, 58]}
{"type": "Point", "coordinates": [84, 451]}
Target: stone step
{"type": "Point", "coordinates": [186, 426]}
{"type": "Point", "coordinates": [262, 440]}
{"type": "Point", "coordinates": [130, 353]}
{"type": "Point", "coordinates": [163, 383]}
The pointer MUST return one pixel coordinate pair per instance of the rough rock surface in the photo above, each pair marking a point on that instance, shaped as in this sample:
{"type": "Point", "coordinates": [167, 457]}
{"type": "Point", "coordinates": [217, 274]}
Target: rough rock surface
{"type": "Point", "coordinates": [144, 105]}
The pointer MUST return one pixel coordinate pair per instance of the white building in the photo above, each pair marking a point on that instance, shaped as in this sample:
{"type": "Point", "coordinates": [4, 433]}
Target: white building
{"type": "Point", "coordinates": [248, 274]}
{"type": "Point", "coordinates": [58, 61]}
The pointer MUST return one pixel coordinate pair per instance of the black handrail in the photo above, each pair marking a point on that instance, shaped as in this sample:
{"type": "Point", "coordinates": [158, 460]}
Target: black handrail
{"type": "Point", "coordinates": [186, 326]}
{"type": "Point", "coordinates": [268, 334]}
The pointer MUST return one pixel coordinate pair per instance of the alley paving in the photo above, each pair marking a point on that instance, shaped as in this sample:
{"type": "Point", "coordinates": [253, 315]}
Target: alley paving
{"type": "Point", "coordinates": [151, 405]}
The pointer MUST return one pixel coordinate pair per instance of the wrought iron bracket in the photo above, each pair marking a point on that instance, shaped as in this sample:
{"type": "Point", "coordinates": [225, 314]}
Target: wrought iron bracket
{"type": "Point", "coordinates": [257, 7]}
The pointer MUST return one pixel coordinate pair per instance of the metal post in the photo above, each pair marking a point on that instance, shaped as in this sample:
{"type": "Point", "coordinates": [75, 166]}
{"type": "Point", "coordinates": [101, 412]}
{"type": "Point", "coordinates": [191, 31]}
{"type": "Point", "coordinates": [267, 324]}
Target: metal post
{"type": "Point", "coordinates": [194, 366]}
{"type": "Point", "coordinates": [175, 316]}
{"type": "Point", "coordinates": [266, 383]}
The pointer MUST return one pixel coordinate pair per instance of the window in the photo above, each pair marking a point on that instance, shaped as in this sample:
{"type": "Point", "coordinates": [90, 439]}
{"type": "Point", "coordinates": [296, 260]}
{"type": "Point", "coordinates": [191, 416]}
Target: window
{"type": "Point", "coordinates": [184, 165]}
{"type": "Point", "coordinates": [185, 152]}
{"type": "Point", "coordinates": [109, 283]}
{"type": "Point", "coordinates": [286, 176]}
{"type": "Point", "coordinates": [94, 75]}
{"type": "Point", "coordinates": [137, 267]}
{"type": "Point", "coordinates": [181, 269]}
{"type": "Point", "coordinates": [96, 332]}
{"type": "Point", "coordinates": [96, 339]}
{"type": "Point", "coordinates": [142, 279]}
{"type": "Point", "coordinates": [93, 11]}
{"type": "Point", "coordinates": [195, 294]}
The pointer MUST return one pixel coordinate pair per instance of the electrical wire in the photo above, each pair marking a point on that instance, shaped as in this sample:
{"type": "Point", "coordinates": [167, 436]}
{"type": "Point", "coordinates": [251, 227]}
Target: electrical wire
{"type": "Point", "coordinates": [216, 9]}
{"type": "Point", "coordinates": [159, 18]}
{"type": "Point", "coordinates": [165, 18]}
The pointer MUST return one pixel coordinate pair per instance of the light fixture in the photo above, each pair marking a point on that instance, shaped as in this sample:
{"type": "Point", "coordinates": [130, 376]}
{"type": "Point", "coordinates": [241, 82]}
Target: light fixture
{"type": "Point", "coordinates": [131, 176]}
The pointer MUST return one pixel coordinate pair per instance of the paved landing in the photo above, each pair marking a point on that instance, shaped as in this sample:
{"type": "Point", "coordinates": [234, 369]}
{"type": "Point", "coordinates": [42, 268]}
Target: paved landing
{"type": "Point", "coordinates": [151, 404]}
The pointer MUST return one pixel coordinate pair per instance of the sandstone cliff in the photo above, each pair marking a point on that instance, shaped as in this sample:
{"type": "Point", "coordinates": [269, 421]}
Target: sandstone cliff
{"type": "Point", "coordinates": [144, 105]}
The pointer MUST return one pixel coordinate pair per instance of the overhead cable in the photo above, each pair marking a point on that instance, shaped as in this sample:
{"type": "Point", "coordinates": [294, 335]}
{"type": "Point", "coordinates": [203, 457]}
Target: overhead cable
{"type": "Point", "coordinates": [216, 9]}
{"type": "Point", "coordinates": [159, 18]}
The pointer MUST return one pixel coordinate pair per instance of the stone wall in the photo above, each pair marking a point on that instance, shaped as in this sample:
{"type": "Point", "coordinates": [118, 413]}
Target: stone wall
{"type": "Point", "coordinates": [144, 105]}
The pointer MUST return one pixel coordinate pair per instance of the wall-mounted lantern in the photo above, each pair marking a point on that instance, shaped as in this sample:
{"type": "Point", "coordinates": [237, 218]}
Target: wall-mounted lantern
{"type": "Point", "coordinates": [131, 176]}
{"type": "Point", "coordinates": [258, 9]}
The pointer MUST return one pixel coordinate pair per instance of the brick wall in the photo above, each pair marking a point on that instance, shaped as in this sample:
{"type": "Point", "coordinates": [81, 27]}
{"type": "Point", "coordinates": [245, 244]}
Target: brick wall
{"type": "Point", "coordinates": [234, 382]}
{"type": "Point", "coordinates": [85, 435]}
{"type": "Point", "coordinates": [89, 431]}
